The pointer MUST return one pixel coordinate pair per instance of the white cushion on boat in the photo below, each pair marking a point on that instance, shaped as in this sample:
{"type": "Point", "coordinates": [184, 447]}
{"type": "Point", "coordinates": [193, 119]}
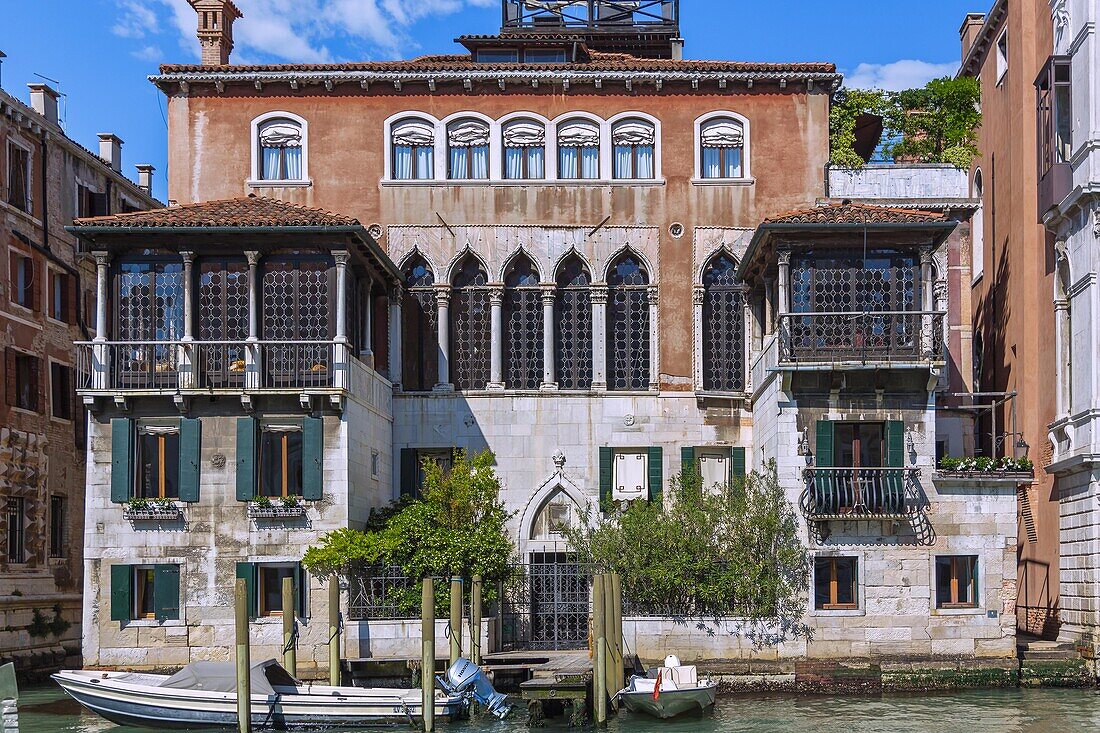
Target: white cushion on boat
{"type": "Point", "coordinates": [685, 676]}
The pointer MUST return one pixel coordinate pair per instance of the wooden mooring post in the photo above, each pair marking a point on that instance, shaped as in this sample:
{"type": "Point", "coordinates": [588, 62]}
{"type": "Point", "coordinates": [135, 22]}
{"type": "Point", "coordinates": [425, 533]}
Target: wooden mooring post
{"type": "Point", "coordinates": [599, 641]}
{"type": "Point", "coordinates": [334, 631]}
{"type": "Point", "coordinates": [290, 643]}
{"type": "Point", "coordinates": [617, 626]}
{"type": "Point", "coordinates": [454, 628]}
{"type": "Point", "coordinates": [610, 675]}
{"type": "Point", "coordinates": [244, 666]}
{"type": "Point", "coordinates": [427, 654]}
{"type": "Point", "coordinates": [475, 620]}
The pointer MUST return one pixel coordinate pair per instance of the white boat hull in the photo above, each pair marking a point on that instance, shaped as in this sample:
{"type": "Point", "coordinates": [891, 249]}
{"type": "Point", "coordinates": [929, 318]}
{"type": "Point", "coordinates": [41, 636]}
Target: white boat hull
{"type": "Point", "coordinates": [670, 704]}
{"type": "Point", "coordinates": [136, 699]}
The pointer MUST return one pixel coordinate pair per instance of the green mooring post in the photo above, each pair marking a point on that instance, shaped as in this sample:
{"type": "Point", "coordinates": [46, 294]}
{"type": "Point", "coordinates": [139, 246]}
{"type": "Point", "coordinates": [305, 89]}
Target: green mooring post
{"type": "Point", "coordinates": [244, 667]}
{"type": "Point", "coordinates": [617, 600]}
{"type": "Point", "coordinates": [427, 653]}
{"type": "Point", "coordinates": [454, 630]}
{"type": "Point", "coordinates": [599, 671]}
{"type": "Point", "coordinates": [290, 644]}
{"type": "Point", "coordinates": [475, 620]}
{"type": "Point", "coordinates": [609, 639]}
{"type": "Point", "coordinates": [334, 631]}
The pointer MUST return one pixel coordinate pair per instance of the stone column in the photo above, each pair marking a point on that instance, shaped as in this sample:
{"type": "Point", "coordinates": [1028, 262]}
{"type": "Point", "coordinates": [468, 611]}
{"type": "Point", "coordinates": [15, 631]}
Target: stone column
{"type": "Point", "coordinates": [186, 361]}
{"type": "Point", "coordinates": [366, 353]}
{"type": "Point", "coordinates": [549, 292]}
{"type": "Point", "coordinates": [927, 303]}
{"type": "Point", "coordinates": [598, 295]}
{"type": "Point", "coordinates": [654, 342]}
{"type": "Point", "coordinates": [101, 354]}
{"type": "Point", "coordinates": [697, 295]}
{"type": "Point", "coordinates": [253, 358]}
{"type": "Point", "coordinates": [396, 323]}
{"type": "Point", "coordinates": [443, 329]}
{"type": "Point", "coordinates": [783, 304]}
{"type": "Point", "coordinates": [341, 366]}
{"type": "Point", "coordinates": [496, 340]}
{"type": "Point", "coordinates": [1063, 352]}
{"type": "Point", "coordinates": [749, 350]}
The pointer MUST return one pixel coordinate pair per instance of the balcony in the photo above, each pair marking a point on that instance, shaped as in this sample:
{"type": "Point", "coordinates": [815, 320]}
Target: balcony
{"type": "Point", "coordinates": [860, 493]}
{"type": "Point", "coordinates": [880, 337]}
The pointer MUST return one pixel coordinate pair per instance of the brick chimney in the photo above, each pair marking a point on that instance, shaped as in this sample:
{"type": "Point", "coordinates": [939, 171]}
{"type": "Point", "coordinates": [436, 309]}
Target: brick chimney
{"type": "Point", "coordinates": [971, 26]}
{"type": "Point", "coordinates": [215, 29]}
{"type": "Point", "coordinates": [44, 101]}
{"type": "Point", "coordinates": [110, 149]}
{"type": "Point", "coordinates": [145, 177]}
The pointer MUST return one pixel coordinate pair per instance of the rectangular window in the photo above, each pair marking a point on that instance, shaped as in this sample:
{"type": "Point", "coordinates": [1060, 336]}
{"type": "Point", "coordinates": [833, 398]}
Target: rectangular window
{"type": "Point", "coordinates": [144, 592]}
{"type": "Point", "coordinates": [1002, 56]}
{"type": "Point", "coordinates": [497, 55]}
{"type": "Point", "coordinates": [17, 523]}
{"type": "Point", "coordinates": [281, 461]}
{"type": "Point", "coordinates": [19, 177]}
{"type": "Point", "coordinates": [836, 583]}
{"type": "Point", "coordinates": [1055, 114]}
{"type": "Point", "coordinates": [61, 391]}
{"type": "Point", "coordinates": [714, 467]}
{"type": "Point", "coordinates": [57, 526]}
{"type": "Point", "coordinates": [59, 296]}
{"type": "Point", "coordinates": [270, 590]}
{"type": "Point", "coordinates": [630, 475]}
{"type": "Point", "coordinates": [90, 202]}
{"type": "Point", "coordinates": [22, 380]}
{"type": "Point", "coordinates": [957, 581]}
{"type": "Point", "coordinates": [544, 56]}
{"type": "Point", "coordinates": [22, 279]}
{"type": "Point", "coordinates": [158, 462]}
{"type": "Point", "coordinates": [858, 445]}
{"type": "Point", "coordinates": [444, 458]}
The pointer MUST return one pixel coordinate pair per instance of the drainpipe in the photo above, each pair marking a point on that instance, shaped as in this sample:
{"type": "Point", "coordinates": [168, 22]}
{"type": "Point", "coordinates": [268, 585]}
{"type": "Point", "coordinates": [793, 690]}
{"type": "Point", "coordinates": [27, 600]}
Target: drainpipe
{"type": "Point", "coordinates": [45, 194]}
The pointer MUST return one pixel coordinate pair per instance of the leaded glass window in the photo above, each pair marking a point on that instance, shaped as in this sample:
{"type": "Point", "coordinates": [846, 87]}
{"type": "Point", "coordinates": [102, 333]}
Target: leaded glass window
{"type": "Point", "coordinates": [150, 309]}
{"type": "Point", "coordinates": [470, 326]}
{"type": "Point", "coordinates": [628, 324]}
{"type": "Point", "coordinates": [573, 325]}
{"type": "Point", "coordinates": [420, 370]}
{"type": "Point", "coordinates": [522, 325]}
{"type": "Point", "coordinates": [723, 326]}
{"type": "Point", "coordinates": [297, 308]}
{"type": "Point", "coordinates": [222, 316]}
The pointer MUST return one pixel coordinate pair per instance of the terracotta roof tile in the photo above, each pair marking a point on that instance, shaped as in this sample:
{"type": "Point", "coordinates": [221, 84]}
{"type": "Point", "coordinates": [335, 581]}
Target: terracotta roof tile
{"type": "Point", "coordinates": [849, 213]}
{"type": "Point", "coordinates": [250, 211]}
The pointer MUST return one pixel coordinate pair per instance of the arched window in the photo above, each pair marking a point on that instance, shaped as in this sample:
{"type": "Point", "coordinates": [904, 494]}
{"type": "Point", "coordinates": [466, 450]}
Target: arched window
{"type": "Point", "coordinates": [524, 150]}
{"type": "Point", "coordinates": [723, 326]}
{"type": "Point", "coordinates": [628, 324]}
{"type": "Point", "coordinates": [634, 141]}
{"type": "Point", "coordinates": [280, 142]}
{"type": "Point", "coordinates": [722, 141]}
{"type": "Point", "coordinates": [578, 150]}
{"type": "Point", "coordinates": [522, 325]}
{"type": "Point", "coordinates": [413, 151]}
{"type": "Point", "coordinates": [977, 228]}
{"type": "Point", "coordinates": [573, 325]}
{"type": "Point", "coordinates": [420, 370]}
{"type": "Point", "coordinates": [468, 150]}
{"type": "Point", "coordinates": [470, 325]}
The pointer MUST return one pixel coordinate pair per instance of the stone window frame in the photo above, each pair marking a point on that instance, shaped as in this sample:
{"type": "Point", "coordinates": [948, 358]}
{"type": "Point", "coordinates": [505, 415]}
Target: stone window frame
{"type": "Point", "coordinates": [746, 178]}
{"type": "Point", "coordinates": [699, 326]}
{"type": "Point", "coordinates": [861, 585]}
{"type": "Point", "coordinates": [254, 178]}
{"type": "Point", "coordinates": [29, 150]}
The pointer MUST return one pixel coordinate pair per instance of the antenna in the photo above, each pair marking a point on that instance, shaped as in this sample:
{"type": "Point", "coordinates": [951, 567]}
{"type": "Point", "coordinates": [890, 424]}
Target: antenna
{"type": "Point", "coordinates": [57, 85]}
{"type": "Point", "coordinates": [2, 57]}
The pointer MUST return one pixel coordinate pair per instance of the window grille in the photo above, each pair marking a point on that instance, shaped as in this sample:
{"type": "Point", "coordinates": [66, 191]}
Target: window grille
{"type": "Point", "coordinates": [573, 325]}
{"type": "Point", "coordinates": [628, 325]}
{"type": "Point", "coordinates": [723, 327]}
{"type": "Point", "coordinates": [418, 312]}
{"type": "Point", "coordinates": [150, 309]}
{"type": "Point", "coordinates": [296, 308]}
{"type": "Point", "coordinates": [522, 325]}
{"type": "Point", "coordinates": [223, 316]}
{"type": "Point", "coordinates": [470, 326]}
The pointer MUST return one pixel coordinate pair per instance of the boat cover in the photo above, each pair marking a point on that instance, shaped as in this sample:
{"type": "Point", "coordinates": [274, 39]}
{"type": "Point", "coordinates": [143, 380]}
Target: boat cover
{"type": "Point", "coordinates": [222, 677]}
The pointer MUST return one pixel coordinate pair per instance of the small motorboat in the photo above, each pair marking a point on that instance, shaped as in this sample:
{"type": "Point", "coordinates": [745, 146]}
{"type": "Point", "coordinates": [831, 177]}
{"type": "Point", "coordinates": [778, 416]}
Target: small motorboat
{"type": "Point", "coordinates": [668, 691]}
{"type": "Point", "coordinates": [204, 694]}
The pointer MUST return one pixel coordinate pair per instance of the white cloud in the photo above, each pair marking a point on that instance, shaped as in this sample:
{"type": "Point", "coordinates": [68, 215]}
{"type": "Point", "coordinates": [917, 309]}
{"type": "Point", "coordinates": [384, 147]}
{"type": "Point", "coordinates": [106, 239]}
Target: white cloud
{"type": "Point", "coordinates": [151, 54]}
{"type": "Point", "coordinates": [892, 77]}
{"type": "Point", "coordinates": [135, 21]}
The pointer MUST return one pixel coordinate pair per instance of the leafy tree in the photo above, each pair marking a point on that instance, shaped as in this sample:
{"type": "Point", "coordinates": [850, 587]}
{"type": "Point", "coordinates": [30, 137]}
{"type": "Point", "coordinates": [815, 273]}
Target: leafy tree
{"type": "Point", "coordinates": [847, 106]}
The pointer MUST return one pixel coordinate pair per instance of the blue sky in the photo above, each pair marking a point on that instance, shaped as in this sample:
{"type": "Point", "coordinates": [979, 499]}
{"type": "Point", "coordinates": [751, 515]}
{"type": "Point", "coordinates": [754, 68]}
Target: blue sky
{"type": "Point", "coordinates": [101, 51]}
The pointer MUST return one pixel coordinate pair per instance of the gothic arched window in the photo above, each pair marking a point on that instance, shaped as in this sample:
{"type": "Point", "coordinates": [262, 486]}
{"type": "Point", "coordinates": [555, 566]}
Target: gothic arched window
{"type": "Point", "coordinates": [723, 326]}
{"type": "Point", "coordinates": [522, 325]}
{"type": "Point", "coordinates": [573, 325]}
{"type": "Point", "coordinates": [420, 370]}
{"type": "Point", "coordinates": [628, 324]}
{"type": "Point", "coordinates": [470, 325]}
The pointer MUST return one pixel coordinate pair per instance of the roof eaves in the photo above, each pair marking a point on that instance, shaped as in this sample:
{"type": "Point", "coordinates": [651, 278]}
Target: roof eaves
{"type": "Point", "coordinates": [984, 39]}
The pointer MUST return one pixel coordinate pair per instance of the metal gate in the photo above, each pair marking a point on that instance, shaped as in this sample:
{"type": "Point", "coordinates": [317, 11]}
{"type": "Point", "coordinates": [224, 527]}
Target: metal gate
{"type": "Point", "coordinates": [544, 604]}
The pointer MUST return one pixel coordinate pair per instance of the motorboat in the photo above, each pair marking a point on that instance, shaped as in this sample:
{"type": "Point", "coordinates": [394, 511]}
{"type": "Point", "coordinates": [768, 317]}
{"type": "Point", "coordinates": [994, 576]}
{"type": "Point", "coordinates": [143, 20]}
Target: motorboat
{"type": "Point", "coordinates": [668, 691]}
{"type": "Point", "coordinates": [204, 694]}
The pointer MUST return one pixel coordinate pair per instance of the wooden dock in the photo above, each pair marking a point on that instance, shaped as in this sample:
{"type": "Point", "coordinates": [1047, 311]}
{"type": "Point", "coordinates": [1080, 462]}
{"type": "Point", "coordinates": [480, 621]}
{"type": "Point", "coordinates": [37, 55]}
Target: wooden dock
{"type": "Point", "coordinates": [550, 683]}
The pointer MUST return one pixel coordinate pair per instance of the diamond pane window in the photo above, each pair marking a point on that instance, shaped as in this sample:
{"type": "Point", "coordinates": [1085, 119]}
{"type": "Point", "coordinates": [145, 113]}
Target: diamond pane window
{"type": "Point", "coordinates": [297, 308]}
{"type": "Point", "coordinates": [723, 327]}
{"type": "Point", "coordinates": [150, 309]}
{"type": "Point", "coordinates": [522, 325]}
{"type": "Point", "coordinates": [470, 325]}
{"type": "Point", "coordinates": [628, 324]}
{"type": "Point", "coordinates": [222, 316]}
{"type": "Point", "coordinates": [420, 370]}
{"type": "Point", "coordinates": [573, 325]}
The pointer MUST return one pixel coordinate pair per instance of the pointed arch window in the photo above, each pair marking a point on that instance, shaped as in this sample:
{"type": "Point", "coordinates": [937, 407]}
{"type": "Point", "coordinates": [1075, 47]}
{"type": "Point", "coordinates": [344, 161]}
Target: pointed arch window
{"type": "Point", "coordinates": [281, 141]}
{"type": "Point", "coordinates": [628, 324]}
{"type": "Point", "coordinates": [524, 150]}
{"type": "Point", "coordinates": [522, 325]}
{"type": "Point", "coordinates": [468, 150]}
{"type": "Point", "coordinates": [420, 370]}
{"type": "Point", "coordinates": [722, 141]}
{"type": "Point", "coordinates": [413, 152]}
{"type": "Point", "coordinates": [470, 325]}
{"type": "Point", "coordinates": [634, 141]}
{"type": "Point", "coordinates": [578, 150]}
{"type": "Point", "coordinates": [723, 326]}
{"type": "Point", "coordinates": [573, 325]}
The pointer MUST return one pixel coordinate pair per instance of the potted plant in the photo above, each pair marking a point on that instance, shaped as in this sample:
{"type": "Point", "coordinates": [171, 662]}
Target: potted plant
{"type": "Point", "coordinates": [139, 508]}
{"type": "Point", "coordinates": [263, 507]}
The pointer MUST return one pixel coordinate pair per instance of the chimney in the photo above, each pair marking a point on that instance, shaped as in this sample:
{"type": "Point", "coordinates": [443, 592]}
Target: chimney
{"type": "Point", "coordinates": [110, 149]}
{"type": "Point", "coordinates": [972, 25]}
{"type": "Point", "coordinates": [677, 49]}
{"type": "Point", "coordinates": [145, 177]}
{"type": "Point", "coordinates": [215, 29]}
{"type": "Point", "coordinates": [44, 101]}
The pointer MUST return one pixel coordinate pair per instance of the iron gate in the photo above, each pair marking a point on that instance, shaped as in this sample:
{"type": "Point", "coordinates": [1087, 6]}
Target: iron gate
{"type": "Point", "coordinates": [544, 604]}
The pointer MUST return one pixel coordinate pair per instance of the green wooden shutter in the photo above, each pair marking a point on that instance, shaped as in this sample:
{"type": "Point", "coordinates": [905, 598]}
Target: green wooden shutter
{"type": "Point", "coordinates": [737, 463]}
{"type": "Point", "coordinates": [122, 460]}
{"type": "Point", "coordinates": [246, 458]}
{"type": "Point", "coordinates": [895, 444]}
{"type": "Point", "coordinates": [247, 572]}
{"type": "Point", "coordinates": [406, 480]}
{"type": "Point", "coordinates": [656, 473]}
{"type": "Point", "coordinates": [122, 603]}
{"type": "Point", "coordinates": [605, 477]}
{"type": "Point", "coordinates": [166, 592]}
{"type": "Point", "coordinates": [824, 487]}
{"type": "Point", "coordinates": [190, 447]}
{"type": "Point", "coordinates": [301, 599]}
{"type": "Point", "coordinates": [313, 459]}
{"type": "Point", "coordinates": [823, 456]}
{"type": "Point", "coordinates": [688, 466]}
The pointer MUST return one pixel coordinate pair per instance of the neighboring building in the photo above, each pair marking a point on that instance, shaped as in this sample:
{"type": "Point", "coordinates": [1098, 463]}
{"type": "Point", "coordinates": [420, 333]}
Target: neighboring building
{"type": "Point", "coordinates": [46, 302]}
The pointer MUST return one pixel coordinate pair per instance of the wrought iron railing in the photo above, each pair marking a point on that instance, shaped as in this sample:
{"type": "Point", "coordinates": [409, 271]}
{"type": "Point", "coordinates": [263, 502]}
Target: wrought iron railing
{"type": "Point", "coordinates": [590, 14]}
{"type": "Point", "coordinates": [383, 592]}
{"type": "Point", "coordinates": [865, 336]}
{"type": "Point", "coordinates": [854, 493]}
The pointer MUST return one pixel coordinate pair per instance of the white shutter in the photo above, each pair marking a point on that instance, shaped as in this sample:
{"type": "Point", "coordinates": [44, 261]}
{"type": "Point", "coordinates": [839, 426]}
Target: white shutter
{"type": "Point", "coordinates": [629, 476]}
{"type": "Point", "coordinates": [714, 468]}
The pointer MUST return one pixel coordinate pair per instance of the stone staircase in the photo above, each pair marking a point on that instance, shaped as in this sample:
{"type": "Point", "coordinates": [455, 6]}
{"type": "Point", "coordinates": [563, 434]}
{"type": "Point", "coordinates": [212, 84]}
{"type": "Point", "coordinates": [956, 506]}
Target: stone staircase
{"type": "Point", "coordinates": [1045, 663]}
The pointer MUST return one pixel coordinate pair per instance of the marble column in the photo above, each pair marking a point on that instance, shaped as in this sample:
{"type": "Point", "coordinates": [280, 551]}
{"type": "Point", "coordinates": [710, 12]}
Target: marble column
{"type": "Point", "coordinates": [395, 327]}
{"type": "Point", "coordinates": [186, 357]}
{"type": "Point", "coordinates": [443, 322]}
{"type": "Point", "coordinates": [341, 365]}
{"type": "Point", "coordinates": [548, 357]}
{"type": "Point", "coordinates": [496, 340]}
{"type": "Point", "coordinates": [599, 337]}
{"type": "Point", "coordinates": [654, 341]}
{"type": "Point", "coordinates": [253, 360]}
{"type": "Point", "coordinates": [101, 354]}
{"type": "Point", "coordinates": [697, 295]}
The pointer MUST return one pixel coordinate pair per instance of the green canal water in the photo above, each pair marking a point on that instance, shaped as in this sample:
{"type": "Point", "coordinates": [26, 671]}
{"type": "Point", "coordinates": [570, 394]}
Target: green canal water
{"type": "Point", "coordinates": [47, 710]}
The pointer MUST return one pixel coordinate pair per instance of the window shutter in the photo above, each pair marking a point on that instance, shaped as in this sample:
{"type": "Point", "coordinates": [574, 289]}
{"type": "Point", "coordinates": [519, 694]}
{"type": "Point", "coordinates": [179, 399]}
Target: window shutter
{"type": "Point", "coordinates": [301, 597]}
{"type": "Point", "coordinates": [605, 477]}
{"type": "Point", "coordinates": [9, 377]}
{"type": "Point", "coordinates": [166, 592]}
{"type": "Point", "coordinates": [895, 444]}
{"type": "Point", "coordinates": [407, 478]}
{"type": "Point", "coordinates": [121, 593]}
{"type": "Point", "coordinates": [313, 441]}
{"type": "Point", "coordinates": [246, 458]}
{"type": "Point", "coordinates": [122, 459]}
{"type": "Point", "coordinates": [656, 473]}
{"type": "Point", "coordinates": [247, 572]}
{"type": "Point", "coordinates": [36, 286]}
{"type": "Point", "coordinates": [737, 463]}
{"type": "Point", "coordinates": [190, 452]}
{"type": "Point", "coordinates": [687, 463]}
{"type": "Point", "coordinates": [823, 455]}
{"type": "Point", "coordinates": [35, 371]}
{"type": "Point", "coordinates": [68, 299]}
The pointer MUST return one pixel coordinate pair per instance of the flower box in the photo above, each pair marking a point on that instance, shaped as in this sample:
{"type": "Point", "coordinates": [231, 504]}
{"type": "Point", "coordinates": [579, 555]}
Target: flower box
{"type": "Point", "coordinates": [275, 510]}
{"type": "Point", "coordinates": [152, 512]}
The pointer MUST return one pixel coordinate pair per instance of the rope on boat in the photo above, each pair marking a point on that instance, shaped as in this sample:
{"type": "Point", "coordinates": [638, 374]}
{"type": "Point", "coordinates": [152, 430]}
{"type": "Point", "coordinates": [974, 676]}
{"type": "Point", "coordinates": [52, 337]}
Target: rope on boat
{"type": "Point", "coordinates": [292, 642]}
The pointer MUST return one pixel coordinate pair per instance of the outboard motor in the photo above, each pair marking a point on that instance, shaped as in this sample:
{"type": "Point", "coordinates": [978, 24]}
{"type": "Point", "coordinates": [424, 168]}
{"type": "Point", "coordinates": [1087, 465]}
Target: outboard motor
{"type": "Point", "coordinates": [466, 678]}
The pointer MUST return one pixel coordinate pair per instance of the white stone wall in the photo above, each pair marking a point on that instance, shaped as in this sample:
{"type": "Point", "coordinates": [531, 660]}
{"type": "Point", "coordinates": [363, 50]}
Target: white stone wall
{"type": "Point", "coordinates": [927, 181]}
{"type": "Point", "coordinates": [1079, 569]}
